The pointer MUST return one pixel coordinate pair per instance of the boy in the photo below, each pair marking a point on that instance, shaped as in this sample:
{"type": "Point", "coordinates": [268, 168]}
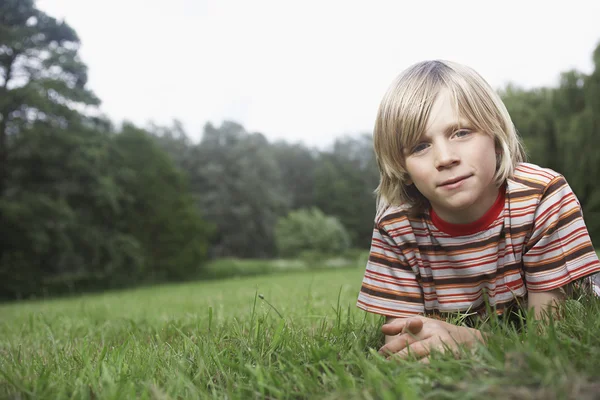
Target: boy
{"type": "Point", "coordinates": [461, 215]}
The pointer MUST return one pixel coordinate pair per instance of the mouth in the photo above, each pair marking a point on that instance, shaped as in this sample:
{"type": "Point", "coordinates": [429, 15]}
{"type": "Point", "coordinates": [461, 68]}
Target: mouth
{"type": "Point", "coordinates": [454, 180]}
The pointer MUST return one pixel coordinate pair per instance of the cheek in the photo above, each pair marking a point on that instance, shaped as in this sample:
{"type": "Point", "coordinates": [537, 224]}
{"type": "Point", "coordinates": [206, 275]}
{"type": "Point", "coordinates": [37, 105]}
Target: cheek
{"type": "Point", "coordinates": [486, 153]}
{"type": "Point", "coordinates": [487, 160]}
{"type": "Point", "coordinates": [420, 179]}
{"type": "Point", "coordinates": [416, 171]}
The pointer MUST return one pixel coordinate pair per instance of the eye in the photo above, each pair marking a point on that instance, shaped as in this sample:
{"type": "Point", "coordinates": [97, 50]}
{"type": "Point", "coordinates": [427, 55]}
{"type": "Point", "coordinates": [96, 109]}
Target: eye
{"type": "Point", "coordinates": [419, 148]}
{"type": "Point", "coordinates": [462, 133]}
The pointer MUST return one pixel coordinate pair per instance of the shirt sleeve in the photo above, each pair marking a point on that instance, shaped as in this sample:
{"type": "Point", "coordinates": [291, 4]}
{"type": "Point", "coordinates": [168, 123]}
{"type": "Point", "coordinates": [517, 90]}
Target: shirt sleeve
{"type": "Point", "coordinates": [390, 286]}
{"type": "Point", "coordinates": [559, 250]}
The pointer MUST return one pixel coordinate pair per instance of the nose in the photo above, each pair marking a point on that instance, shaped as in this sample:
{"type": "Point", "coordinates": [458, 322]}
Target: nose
{"type": "Point", "coordinates": [445, 156]}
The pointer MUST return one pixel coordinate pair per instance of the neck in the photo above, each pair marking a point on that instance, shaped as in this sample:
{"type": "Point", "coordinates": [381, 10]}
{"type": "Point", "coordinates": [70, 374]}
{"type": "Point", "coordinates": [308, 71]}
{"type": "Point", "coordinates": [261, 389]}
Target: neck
{"type": "Point", "coordinates": [471, 213]}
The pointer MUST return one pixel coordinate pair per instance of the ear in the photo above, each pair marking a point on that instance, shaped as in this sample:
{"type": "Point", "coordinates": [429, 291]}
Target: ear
{"type": "Point", "coordinates": [497, 147]}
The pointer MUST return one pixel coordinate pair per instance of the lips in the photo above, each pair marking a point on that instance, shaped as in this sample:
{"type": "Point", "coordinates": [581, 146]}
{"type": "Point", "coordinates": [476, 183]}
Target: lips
{"type": "Point", "coordinates": [454, 180]}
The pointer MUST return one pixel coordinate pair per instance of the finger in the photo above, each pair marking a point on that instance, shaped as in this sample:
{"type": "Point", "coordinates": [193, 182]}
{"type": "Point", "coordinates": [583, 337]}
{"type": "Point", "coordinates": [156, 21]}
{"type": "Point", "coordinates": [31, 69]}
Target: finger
{"type": "Point", "coordinates": [414, 326]}
{"type": "Point", "coordinates": [395, 327]}
{"type": "Point", "coordinates": [399, 325]}
{"type": "Point", "coordinates": [425, 360]}
{"type": "Point", "coordinates": [418, 349]}
{"type": "Point", "coordinates": [399, 343]}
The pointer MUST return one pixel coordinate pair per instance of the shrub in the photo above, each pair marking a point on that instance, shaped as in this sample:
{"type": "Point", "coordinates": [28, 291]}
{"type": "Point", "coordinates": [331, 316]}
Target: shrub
{"type": "Point", "coordinates": [310, 230]}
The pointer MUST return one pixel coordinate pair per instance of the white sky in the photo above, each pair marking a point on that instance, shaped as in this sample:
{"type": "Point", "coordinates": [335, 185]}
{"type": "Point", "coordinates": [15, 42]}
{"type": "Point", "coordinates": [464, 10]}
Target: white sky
{"type": "Point", "coordinates": [308, 70]}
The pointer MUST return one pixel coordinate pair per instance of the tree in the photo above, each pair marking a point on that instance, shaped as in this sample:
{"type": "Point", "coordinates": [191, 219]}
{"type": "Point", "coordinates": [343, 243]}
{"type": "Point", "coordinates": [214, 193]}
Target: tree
{"type": "Point", "coordinates": [42, 76]}
{"type": "Point", "coordinates": [345, 180]}
{"type": "Point", "coordinates": [80, 206]}
{"type": "Point", "coordinates": [297, 165]}
{"type": "Point", "coordinates": [238, 187]}
{"type": "Point", "coordinates": [60, 214]}
{"type": "Point", "coordinates": [310, 230]}
{"type": "Point", "coordinates": [42, 89]}
{"type": "Point", "coordinates": [175, 142]}
{"type": "Point", "coordinates": [161, 213]}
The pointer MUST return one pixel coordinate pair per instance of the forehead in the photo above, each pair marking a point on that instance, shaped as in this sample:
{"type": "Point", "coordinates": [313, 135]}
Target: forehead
{"type": "Point", "coordinates": [444, 114]}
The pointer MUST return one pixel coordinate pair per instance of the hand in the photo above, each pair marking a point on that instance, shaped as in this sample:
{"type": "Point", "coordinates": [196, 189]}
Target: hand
{"type": "Point", "coordinates": [418, 336]}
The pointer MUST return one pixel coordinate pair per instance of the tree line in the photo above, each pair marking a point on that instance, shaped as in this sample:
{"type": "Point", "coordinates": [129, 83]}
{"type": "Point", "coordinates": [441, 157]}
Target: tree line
{"type": "Point", "coordinates": [87, 205]}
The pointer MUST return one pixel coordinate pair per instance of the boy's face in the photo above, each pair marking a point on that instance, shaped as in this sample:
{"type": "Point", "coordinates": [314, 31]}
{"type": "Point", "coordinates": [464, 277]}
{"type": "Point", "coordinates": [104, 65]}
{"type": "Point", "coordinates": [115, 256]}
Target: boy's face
{"type": "Point", "coordinates": [453, 166]}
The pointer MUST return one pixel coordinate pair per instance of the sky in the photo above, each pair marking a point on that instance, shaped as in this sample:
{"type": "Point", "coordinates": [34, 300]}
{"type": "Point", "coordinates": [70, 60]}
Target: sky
{"type": "Point", "coordinates": [308, 71]}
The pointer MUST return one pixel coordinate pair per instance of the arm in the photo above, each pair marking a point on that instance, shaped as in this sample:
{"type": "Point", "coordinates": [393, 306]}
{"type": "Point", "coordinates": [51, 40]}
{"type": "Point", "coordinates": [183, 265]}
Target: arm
{"type": "Point", "coordinates": [390, 285]}
{"type": "Point", "coordinates": [545, 302]}
{"type": "Point", "coordinates": [559, 252]}
{"type": "Point", "coordinates": [422, 334]}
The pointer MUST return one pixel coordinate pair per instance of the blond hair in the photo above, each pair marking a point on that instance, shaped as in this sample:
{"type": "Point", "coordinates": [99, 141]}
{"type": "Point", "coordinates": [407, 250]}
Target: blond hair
{"type": "Point", "coordinates": [403, 114]}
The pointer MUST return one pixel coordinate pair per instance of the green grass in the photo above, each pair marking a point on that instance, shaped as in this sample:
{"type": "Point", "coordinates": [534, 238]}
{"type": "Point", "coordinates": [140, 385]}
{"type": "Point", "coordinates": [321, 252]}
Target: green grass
{"type": "Point", "coordinates": [219, 339]}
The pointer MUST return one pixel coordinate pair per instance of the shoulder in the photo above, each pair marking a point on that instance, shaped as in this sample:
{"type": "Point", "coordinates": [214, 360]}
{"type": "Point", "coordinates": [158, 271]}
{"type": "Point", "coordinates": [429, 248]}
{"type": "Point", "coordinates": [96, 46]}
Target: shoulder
{"type": "Point", "coordinates": [390, 213]}
{"type": "Point", "coordinates": [532, 190]}
{"type": "Point", "coordinates": [531, 180]}
{"type": "Point", "coordinates": [534, 176]}
{"type": "Point", "coordinates": [394, 218]}
{"type": "Point", "coordinates": [541, 193]}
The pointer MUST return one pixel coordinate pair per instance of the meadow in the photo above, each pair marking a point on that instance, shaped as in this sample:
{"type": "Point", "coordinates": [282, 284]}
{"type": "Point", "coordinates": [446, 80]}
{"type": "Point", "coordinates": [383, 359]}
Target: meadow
{"type": "Point", "coordinates": [291, 335]}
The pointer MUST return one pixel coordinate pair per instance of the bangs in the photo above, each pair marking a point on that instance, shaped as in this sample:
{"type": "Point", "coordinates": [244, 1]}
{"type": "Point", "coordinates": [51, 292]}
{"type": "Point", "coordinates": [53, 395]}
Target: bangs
{"type": "Point", "coordinates": [414, 125]}
{"type": "Point", "coordinates": [474, 107]}
{"type": "Point", "coordinates": [412, 109]}
{"type": "Point", "coordinates": [416, 118]}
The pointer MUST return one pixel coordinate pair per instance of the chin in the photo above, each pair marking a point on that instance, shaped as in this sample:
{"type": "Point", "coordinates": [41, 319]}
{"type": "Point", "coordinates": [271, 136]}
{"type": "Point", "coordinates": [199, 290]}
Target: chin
{"type": "Point", "coordinates": [461, 207]}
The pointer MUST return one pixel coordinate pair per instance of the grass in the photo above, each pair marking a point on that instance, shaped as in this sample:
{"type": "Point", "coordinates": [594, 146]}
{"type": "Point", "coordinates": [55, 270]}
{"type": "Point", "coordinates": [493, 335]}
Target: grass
{"type": "Point", "coordinates": [220, 339]}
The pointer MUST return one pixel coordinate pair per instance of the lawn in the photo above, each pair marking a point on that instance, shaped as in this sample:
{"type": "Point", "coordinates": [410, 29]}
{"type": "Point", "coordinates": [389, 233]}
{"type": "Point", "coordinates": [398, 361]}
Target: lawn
{"type": "Point", "coordinates": [303, 339]}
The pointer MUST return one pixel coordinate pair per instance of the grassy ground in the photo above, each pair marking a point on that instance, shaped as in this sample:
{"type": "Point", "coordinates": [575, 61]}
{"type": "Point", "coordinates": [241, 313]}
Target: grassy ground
{"type": "Point", "coordinates": [220, 339]}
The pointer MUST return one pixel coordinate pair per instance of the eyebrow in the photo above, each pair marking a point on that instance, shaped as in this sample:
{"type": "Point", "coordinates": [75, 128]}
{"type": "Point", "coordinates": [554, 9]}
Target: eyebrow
{"type": "Point", "coordinates": [462, 124]}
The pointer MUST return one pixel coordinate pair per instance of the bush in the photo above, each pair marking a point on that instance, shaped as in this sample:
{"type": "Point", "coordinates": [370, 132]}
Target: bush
{"type": "Point", "coordinates": [310, 230]}
{"type": "Point", "coordinates": [224, 268]}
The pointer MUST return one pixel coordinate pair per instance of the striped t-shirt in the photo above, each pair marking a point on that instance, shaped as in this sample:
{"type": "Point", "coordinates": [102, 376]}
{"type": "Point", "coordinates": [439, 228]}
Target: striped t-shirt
{"type": "Point", "coordinates": [532, 239]}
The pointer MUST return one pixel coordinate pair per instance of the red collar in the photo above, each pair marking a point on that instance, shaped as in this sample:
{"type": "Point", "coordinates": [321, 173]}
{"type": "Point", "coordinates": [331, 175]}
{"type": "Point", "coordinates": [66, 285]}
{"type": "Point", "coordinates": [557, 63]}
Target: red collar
{"type": "Point", "coordinates": [472, 227]}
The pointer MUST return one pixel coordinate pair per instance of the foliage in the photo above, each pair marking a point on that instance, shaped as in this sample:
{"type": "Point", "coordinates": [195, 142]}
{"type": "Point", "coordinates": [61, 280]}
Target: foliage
{"type": "Point", "coordinates": [223, 268]}
{"type": "Point", "coordinates": [310, 230]}
{"type": "Point", "coordinates": [42, 76]}
{"type": "Point", "coordinates": [81, 207]}
{"type": "Point", "coordinates": [161, 213]}
{"type": "Point", "coordinates": [42, 82]}
{"type": "Point", "coordinates": [345, 180]}
{"type": "Point", "coordinates": [86, 210]}
{"type": "Point", "coordinates": [237, 186]}
{"type": "Point", "coordinates": [59, 214]}
{"type": "Point", "coordinates": [297, 165]}
{"type": "Point", "coordinates": [222, 340]}
{"type": "Point", "coordinates": [244, 184]}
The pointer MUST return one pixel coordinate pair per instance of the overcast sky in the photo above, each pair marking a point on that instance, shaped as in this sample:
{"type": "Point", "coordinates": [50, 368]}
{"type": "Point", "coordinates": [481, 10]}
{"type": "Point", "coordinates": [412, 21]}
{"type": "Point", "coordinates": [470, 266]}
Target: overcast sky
{"type": "Point", "coordinates": [308, 70]}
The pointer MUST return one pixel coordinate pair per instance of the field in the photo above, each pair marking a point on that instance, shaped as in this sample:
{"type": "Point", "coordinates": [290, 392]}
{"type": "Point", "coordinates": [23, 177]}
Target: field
{"type": "Point", "coordinates": [293, 335]}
